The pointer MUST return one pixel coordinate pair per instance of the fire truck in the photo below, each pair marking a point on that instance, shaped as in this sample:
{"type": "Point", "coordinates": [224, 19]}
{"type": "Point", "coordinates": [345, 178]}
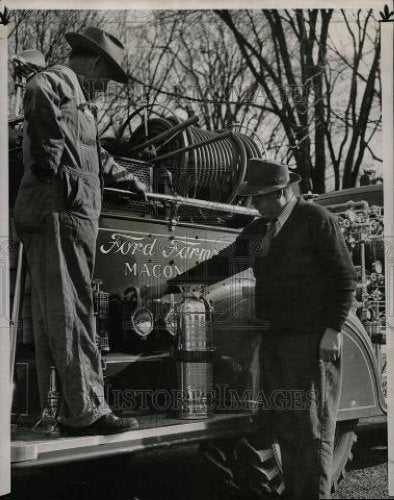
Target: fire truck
{"type": "Point", "coordinates": [187, 365]}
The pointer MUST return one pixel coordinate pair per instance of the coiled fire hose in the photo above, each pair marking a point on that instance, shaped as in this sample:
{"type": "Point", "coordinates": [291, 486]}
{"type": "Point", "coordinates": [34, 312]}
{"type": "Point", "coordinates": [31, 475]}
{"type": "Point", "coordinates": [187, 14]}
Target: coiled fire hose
{"type": "Point", "coordinates": [214, 171]}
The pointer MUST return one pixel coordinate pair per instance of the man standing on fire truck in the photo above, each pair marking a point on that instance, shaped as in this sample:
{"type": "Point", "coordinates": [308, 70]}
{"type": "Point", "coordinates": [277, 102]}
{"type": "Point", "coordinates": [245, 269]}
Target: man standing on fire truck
{"type": "Point", "coordinates": [56, 216]}
{"type": "Point", "coordinates": [304, 289]}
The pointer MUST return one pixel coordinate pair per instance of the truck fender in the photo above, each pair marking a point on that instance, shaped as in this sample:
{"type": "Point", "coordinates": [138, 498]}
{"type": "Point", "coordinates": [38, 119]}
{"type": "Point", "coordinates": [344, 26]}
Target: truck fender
{"type": "Point", "coordinates": [361, 394]}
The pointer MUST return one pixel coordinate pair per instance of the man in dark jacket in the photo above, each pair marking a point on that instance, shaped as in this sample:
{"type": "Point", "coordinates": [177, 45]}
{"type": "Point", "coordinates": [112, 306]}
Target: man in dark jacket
{"type": "Point", "coordinates": [304, 287]}
{"type": "Point", "coordinates": [56, 216]}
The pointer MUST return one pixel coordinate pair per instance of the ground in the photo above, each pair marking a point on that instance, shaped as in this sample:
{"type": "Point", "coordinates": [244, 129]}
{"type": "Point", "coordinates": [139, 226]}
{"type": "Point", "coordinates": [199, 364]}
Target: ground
{"type": "Point", "coordinates": [179, 474]}
{"type": "Point", "coordinates": [367, 473]}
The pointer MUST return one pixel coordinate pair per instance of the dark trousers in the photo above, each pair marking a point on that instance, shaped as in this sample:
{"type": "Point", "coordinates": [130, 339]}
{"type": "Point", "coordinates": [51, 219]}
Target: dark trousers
{"type": "Point", "coordinates": [61, 261]}
{"type": "Point", "coordinates": [303, 395]}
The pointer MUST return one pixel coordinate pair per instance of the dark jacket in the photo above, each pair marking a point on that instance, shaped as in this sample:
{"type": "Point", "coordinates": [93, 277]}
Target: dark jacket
{"type": "Point", "coordinates": [307, 279]}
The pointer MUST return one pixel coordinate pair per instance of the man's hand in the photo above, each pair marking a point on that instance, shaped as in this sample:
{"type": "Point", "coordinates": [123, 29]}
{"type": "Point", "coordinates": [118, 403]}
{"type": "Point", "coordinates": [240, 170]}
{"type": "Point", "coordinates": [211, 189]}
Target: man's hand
{"type": "Point", "coordinates": [330, 345]}
{"type": "Point", "coordinates": [138, 187]}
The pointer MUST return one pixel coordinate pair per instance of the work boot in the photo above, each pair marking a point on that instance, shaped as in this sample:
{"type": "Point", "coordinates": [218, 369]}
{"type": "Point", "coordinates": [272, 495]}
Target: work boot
{"type": "Point", "coordinates": [107, 424]}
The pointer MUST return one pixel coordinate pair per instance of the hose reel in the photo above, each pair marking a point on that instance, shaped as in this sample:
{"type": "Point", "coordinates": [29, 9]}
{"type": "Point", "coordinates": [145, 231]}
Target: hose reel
{"type": "Point", "coordinates": [203, 164]}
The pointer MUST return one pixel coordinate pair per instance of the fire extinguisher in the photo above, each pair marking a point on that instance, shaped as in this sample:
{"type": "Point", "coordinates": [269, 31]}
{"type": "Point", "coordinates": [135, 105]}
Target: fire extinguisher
{"type": "Point", "coordinates": [101, 312]}
{"type": "Point", "coordinates": [194, 356]}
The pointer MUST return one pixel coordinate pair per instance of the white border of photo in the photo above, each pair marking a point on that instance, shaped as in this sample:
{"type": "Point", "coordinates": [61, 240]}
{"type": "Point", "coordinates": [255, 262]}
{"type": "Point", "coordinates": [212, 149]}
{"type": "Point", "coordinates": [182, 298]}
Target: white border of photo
{"type": "Point", "coordinates": [387, 71]}
{"type": "Point", "coordinates": [387, 62]}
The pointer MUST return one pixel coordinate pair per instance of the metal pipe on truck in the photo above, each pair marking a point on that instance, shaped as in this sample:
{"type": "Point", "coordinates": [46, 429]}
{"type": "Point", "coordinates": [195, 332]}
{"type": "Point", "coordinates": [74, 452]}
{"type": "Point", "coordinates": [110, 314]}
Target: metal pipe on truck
{"type": "Point", "coordinates": [167, 133]}
{"type": "Point", "coordinates": [190, 202]}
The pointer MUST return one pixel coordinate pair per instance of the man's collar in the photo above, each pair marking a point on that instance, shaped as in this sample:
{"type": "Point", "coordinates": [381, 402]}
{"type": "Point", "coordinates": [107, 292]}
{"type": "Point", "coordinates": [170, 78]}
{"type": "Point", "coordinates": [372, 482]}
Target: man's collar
{"type": "Point", "coordinates": [287, 209]}
{"type": "Point", "coordinates": [82, 82]}
{"type": "Point", "coordinates": [89, 103]}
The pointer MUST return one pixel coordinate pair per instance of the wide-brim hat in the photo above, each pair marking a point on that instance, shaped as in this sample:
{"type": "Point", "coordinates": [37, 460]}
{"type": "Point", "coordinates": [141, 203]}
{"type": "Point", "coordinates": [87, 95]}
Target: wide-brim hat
{"type": "Point", "coordinates": [266, 176]}
{"type": "Point", "coordinates": [31, 56]}
{"type": "Point", "coordinates": [103, 44]}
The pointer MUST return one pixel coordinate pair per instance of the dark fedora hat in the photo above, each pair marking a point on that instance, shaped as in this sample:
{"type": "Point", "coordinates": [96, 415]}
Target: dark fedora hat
{"type": "Point", "coordinates": [103, 44]}
{"type": "Point", "coordinates": [266, 176]}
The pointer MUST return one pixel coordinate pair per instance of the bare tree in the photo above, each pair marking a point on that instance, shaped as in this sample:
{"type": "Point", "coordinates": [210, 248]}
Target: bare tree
{"type": "Point", "coordinates": [44, 30]}
{"type": "Point", "coordinates": [282, 74]}
{"type": "Point", "coordinates": [186, 59]}
{"type": "Point", "coordinates": [301, 89]}
{"type": "Point", "coordinates": [150, 62]}
{"type": "Point", "coordinates": [209, 67]}
{"type": "Point", "coordinates": [359, 118]}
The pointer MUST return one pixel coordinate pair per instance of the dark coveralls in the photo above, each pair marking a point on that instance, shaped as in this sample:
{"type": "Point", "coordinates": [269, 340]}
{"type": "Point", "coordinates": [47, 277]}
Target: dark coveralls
{"type": "Point", "coordinates": [304, 284]}
{"type": "Point", "coordinates": [56, 216]}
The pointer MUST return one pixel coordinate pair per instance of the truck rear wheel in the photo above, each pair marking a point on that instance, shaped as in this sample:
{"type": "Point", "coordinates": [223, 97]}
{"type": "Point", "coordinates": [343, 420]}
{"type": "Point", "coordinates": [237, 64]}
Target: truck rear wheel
{"type": "Point", "coordinates": [220, 466]}
{"type": "Point", "coordinates": [345, 437]}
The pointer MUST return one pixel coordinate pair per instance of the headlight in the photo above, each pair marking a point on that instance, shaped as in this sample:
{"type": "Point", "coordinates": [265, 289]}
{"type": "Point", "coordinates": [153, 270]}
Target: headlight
{"type": "Point", "coordinates": [141, 322]}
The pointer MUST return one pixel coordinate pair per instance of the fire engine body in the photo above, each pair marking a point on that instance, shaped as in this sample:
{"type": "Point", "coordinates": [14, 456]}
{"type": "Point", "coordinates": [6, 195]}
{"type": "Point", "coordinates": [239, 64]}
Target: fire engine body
{"type": "Point", "coordinates": [143, 243]}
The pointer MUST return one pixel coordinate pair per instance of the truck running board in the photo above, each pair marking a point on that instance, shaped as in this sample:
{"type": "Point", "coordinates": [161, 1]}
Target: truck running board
{"type": "Point", "coordinates": [30, 450]}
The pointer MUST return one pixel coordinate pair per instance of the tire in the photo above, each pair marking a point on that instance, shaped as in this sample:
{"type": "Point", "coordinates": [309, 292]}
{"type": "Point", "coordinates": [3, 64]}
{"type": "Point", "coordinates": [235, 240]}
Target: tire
{"type": "Point", "coordinates": [221, 467]}
{"type": "Point", "coordinates": [345, 437]}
